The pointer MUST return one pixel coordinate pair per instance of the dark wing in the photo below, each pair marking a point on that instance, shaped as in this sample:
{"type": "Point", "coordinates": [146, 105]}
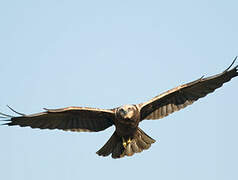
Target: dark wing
{"type": "Point", "coordinates": [70, 118]}
{"type": "Point", "coordinates": [184, 95]}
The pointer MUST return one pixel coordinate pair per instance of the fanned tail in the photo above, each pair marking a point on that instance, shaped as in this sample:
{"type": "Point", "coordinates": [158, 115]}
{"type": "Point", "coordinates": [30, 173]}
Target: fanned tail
{"type": "Point", "coordinates": [139, 142]}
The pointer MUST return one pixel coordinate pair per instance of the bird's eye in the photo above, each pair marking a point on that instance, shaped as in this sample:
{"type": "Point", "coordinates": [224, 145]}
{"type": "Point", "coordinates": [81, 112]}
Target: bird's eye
{"type": "Point", "coordinates": [121, 110]}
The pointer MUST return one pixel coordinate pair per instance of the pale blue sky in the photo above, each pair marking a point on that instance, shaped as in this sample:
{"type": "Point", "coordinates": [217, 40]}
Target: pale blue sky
{"type": "Point", "coordinates": [108, 53]}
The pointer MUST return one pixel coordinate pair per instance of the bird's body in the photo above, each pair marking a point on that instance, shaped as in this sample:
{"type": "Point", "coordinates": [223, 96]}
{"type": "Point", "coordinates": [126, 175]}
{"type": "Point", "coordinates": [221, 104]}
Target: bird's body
{"type": "Point", "coordinates": [128, 118]}
{"type": "Point", "coordinates": [128, 138]}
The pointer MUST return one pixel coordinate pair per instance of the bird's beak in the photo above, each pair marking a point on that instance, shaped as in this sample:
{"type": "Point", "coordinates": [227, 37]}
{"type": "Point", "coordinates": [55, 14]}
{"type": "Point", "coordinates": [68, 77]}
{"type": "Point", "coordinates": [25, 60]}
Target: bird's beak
{"type": "Point", "coordinates": [129, 115]}
{"type": "Point", "coordinates": [123, 113]}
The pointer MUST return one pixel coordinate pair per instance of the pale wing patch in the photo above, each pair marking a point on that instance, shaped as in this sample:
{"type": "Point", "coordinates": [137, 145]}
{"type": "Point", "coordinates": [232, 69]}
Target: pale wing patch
{"type": "Point", "coordinates": [167, 109]}
{"type": "Point", "coordinates": [79, 130]}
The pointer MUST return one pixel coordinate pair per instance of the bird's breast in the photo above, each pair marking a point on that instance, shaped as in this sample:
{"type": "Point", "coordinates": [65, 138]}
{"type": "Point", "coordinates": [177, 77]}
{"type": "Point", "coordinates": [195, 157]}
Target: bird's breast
{"type": "Point", "coordinates": [126, 127]}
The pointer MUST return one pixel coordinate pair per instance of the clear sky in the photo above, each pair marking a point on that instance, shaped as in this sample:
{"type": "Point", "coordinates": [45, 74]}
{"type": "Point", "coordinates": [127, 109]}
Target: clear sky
{"type": "Point", "coordinates": [104, 54]}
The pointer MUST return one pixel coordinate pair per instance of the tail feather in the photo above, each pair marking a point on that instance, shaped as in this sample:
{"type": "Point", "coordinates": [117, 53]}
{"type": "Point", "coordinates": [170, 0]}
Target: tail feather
{"type": "Point", "coordinates": [110, 145]}
{"type": "Point", "coordinates": [139, 142]}
{"type": "Point", "coordinates": [145, 137]}
{"type": "Point", "coordinates": [135, 147]}
{"type": "Point", "coordinates": [142, 144]}
{"type": "Point", "coordinates": [128, 150]}
{"type": "Point", "coordinates": [117, 152]}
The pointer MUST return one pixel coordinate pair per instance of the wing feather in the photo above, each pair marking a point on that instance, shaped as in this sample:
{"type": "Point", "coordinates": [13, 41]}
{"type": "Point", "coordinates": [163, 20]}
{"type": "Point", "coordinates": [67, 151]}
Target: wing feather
{"type": "Point", "coordinates": [184, 95]}
{"type": "Point", "coordinates": [71, 119]}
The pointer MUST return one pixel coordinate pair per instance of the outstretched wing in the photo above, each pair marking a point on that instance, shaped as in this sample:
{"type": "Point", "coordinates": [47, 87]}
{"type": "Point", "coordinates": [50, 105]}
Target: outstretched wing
{"type": "Point", "coordinates": [70, 118]}
{"type": "Point", "coordinates": [184, 95]}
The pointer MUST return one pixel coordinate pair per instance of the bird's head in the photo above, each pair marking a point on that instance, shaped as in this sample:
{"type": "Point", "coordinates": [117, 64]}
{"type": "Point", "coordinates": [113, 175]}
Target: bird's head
{"type": "Point", "coordinates": [126, 111]}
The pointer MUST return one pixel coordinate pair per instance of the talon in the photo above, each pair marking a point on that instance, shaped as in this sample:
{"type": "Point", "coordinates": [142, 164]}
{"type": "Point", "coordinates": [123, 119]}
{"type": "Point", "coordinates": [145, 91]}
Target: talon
{"type": "Point", "coordinates": [124, 142]}
{"type": "Point", "coordinates": [129, 141]}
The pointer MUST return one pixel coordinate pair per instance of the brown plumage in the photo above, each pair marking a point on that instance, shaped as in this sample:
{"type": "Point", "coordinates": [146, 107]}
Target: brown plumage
{"type": "Point", "coordinates": [128, 138]}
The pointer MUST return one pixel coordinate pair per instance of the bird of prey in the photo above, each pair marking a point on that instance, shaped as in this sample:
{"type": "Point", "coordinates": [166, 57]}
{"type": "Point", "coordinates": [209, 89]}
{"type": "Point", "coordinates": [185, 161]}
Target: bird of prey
{"type": "Point", "coordinates": [127, 138]}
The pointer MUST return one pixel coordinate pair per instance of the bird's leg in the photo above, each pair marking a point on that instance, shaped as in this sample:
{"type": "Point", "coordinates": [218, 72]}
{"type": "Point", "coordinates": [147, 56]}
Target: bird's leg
{"type": "Point", "coordinates": [129, 141]}
{"type": "Point", "coordinates": [124, 142]}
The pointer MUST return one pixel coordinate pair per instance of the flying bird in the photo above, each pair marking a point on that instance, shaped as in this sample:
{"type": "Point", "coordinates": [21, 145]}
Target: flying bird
{"type": "Point", "coordinates": [127, 138]}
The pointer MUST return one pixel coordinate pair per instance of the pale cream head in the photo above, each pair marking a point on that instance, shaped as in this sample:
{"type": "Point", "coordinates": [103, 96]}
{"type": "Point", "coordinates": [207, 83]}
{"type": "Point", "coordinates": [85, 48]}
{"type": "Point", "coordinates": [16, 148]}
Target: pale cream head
{"type": "Point", "coordinates": [126, 111]}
